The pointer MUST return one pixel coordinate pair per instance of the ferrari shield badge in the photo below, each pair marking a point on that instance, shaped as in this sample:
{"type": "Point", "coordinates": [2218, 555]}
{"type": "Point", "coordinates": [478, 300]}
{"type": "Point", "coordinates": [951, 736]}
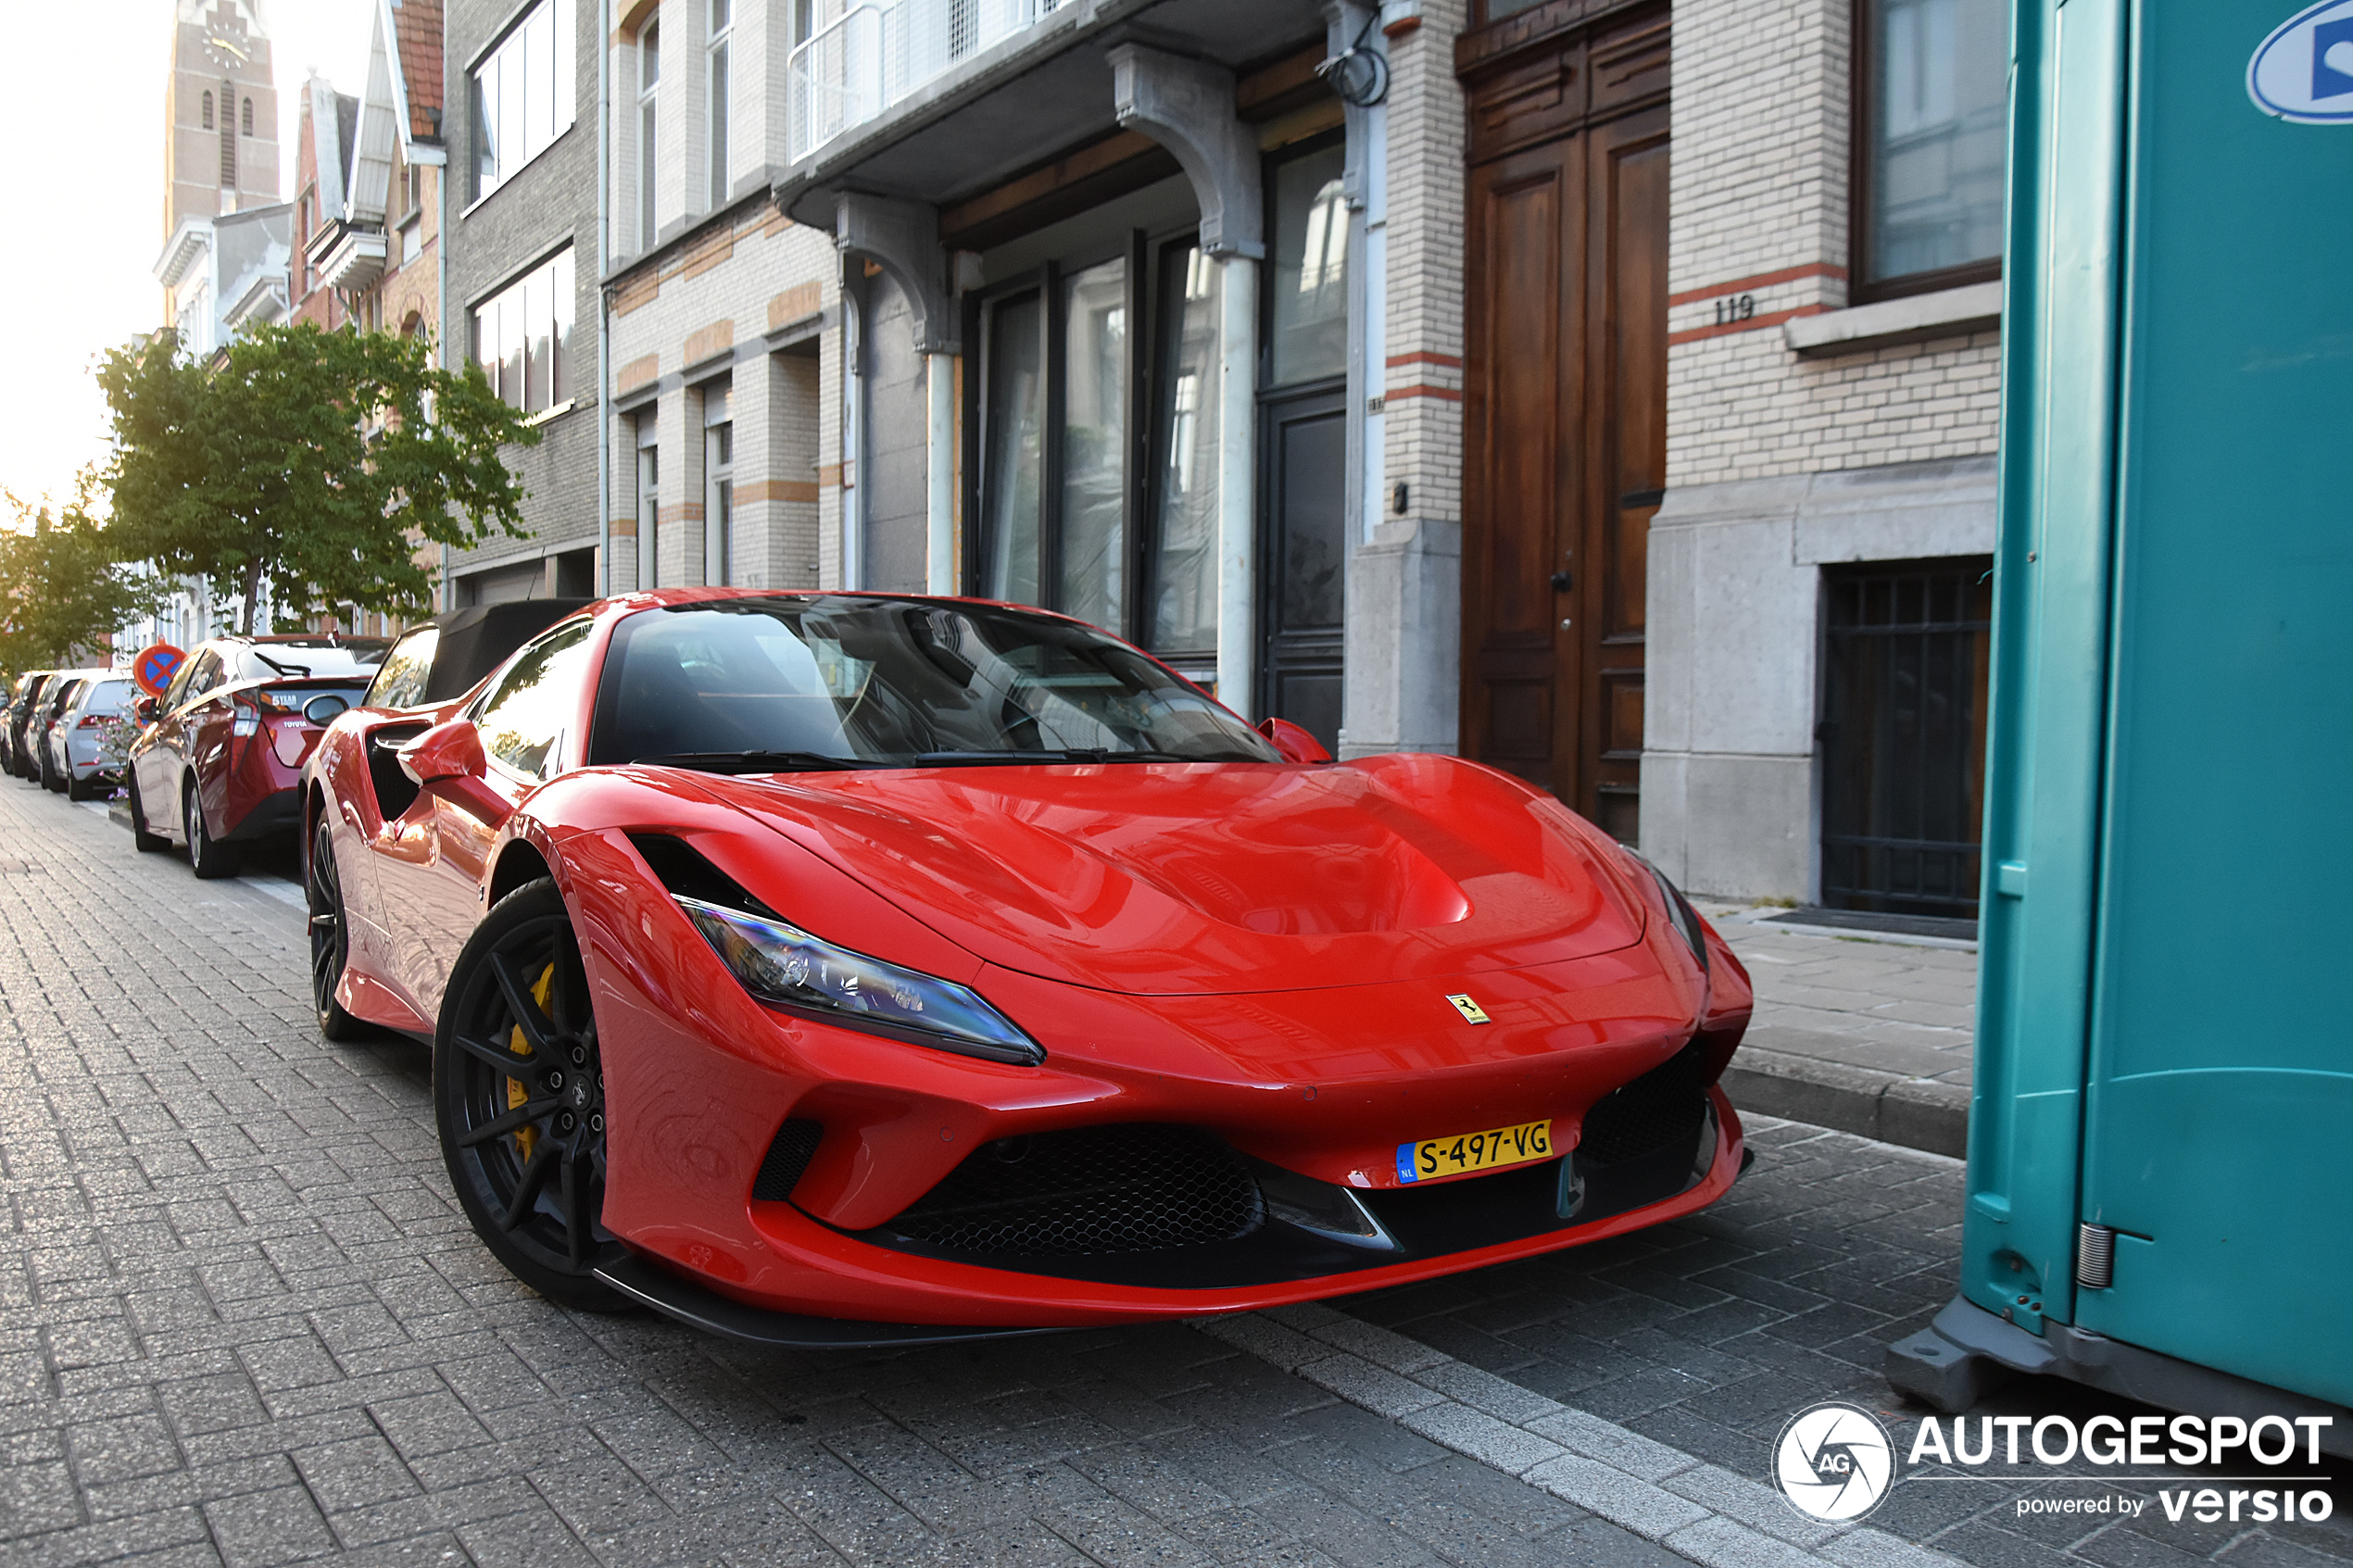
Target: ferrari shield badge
{"type": "Point", "coordinates": [1472, 1013]}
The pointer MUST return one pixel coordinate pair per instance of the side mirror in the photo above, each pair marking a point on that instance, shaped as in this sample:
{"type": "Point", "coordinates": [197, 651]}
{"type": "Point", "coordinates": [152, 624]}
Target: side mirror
{"type": "Point", "coordinates": [447, 751]}
{"type": "Point", "coordinates": [1294, 743]}
{"type": "Point", "coordinates": [324, 709]}
{"type": "Point", "coordinates": [146, 709]}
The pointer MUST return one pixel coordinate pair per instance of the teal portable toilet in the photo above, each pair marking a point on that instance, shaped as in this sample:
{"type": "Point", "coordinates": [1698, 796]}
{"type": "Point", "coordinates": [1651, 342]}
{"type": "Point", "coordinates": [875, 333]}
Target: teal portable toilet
{"type": "Point", "coordinates": [2161, 1153]}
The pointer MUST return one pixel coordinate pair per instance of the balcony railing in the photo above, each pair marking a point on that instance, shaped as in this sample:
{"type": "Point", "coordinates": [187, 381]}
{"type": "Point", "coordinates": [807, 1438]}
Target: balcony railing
{"type": "Point", "coordinates": [878, 53]}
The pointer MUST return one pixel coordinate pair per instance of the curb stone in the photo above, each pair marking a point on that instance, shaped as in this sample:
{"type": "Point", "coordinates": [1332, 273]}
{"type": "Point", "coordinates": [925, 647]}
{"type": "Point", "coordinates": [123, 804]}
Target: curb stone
{"type": "Point", "coordinates": [1700, 1511]}
{"type": "Point", "coordinates": [1886, 1107]}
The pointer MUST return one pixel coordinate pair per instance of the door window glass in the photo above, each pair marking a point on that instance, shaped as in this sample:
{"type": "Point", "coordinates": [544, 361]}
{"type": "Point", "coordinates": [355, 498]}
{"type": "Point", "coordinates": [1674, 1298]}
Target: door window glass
{"type": "Point", "coordinates": [1183, 612]}
{"type": "Point", "coordinates": [1093, 542]}
{"type": "Point", "coordinates": [1014, 424]}
{"type": "Point", "coordinates": [401, 682]}
{"type": "Point", "coordinates": [523, 719]}
{"type": "Point", "coordinates": [1310, 299]}
{"type": "Point", "coordinates": [203, 675]}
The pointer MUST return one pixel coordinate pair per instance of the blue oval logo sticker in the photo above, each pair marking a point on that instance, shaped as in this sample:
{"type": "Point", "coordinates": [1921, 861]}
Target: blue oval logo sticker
{"type": "Point", "coordinates": [2304, 72]}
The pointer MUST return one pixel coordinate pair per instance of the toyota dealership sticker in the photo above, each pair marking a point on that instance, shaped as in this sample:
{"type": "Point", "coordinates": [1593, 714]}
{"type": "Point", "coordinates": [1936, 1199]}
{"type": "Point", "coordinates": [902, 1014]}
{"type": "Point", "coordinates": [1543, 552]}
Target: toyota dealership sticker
{"type": "Point", "coordinates": [1834, 1462]}
{"type": "Point", "coordinates": [2304, 72]}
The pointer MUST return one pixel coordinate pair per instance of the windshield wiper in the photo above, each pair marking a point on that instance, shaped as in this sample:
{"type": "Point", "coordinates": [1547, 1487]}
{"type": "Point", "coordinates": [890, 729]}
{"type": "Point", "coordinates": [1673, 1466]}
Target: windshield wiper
{"type": "Point", "coordinates": [296, 672]}
{"type": "Point", "coordinates": [1051, 755]}
{"type": "Point", "coordinates": [751, 761]}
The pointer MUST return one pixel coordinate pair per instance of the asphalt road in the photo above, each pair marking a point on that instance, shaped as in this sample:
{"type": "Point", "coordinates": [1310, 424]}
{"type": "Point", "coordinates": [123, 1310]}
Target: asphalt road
{"type": "Point", "coordinates": [242, 1321]}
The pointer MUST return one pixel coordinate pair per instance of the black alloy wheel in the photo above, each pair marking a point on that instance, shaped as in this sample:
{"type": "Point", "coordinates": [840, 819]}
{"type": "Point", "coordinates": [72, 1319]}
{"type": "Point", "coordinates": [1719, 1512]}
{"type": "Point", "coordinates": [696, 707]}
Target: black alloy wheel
{"type": "Point", "coordinates": [210, 859]}
{"type": "Point", "coordinates": [517, 1089]}
{"type": "Point", "coordinates": [146, 843]}
{"type": "Point", "coordinates": [330, 939]}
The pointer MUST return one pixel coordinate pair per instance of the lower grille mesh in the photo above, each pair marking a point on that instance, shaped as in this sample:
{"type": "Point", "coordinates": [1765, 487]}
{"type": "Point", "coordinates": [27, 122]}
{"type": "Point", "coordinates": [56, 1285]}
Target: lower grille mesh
{"type": "Point", "coordinates": [1663, 1108]}
{"type": "Point", "coordinates": [789, 1157]}
{"type": "Point", "coordinates": [1132, 1188]}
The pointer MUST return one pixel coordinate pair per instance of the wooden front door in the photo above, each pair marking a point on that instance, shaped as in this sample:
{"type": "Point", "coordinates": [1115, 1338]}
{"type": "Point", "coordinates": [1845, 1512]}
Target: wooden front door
{"type": "Point", "coordinates": [1565, 411]}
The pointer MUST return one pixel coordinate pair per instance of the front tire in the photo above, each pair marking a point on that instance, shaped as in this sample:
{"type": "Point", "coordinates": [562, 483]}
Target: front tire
{"type": "Point", "coordinates": [49, 773]}
{"type": "Point", "coordinates": [517, 1089]}
{"type": "Point", "coordinates": [80, 788]}
{"type": "Point", "coordinates": [141, 839]}
{"type": "Point", "coordinates": [210, 859]}
{"type": "Point", "coordinates": [330, 936]}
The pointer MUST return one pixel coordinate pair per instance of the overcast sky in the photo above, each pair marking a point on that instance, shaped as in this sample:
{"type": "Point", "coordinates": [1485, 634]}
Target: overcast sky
{"type": "Point", "coordinates": [87, 195]}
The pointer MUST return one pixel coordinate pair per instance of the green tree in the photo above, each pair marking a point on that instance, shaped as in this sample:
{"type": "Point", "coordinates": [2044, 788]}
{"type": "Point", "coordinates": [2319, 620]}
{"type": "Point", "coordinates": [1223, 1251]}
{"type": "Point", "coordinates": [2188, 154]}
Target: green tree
{"type": "Point", "coordinates": [61, 589]}
{"type": "Point", "coordinates": [307, 463]}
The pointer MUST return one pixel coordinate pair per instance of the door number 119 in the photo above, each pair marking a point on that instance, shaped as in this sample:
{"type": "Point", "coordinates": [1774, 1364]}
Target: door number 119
{"type": "Point", "coordinates": [1735, 308]}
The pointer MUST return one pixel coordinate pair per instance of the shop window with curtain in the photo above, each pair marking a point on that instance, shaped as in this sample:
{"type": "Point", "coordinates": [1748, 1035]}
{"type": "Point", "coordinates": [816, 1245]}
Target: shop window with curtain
{"type": "Point", "coordinates": [1094, 406]}
{"type": "Point", "coordinates": [1054, 423]}
{"type": "Point", "coordinates": [1929, 93]}
{"type": "Point", "coordinates": [1307, 302]}
{"type": "Point", "coordinates": [1180, 618]}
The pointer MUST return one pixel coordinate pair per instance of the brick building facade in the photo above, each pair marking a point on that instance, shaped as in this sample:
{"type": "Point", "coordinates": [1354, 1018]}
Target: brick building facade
{"type": "Point", "coordinates": [1824, 425]}
{"type": "Point", "coordinates": [725, 315]}
{"type": "Point", "coordinates": [519, 224]}
{"type": "Point", "coordinates": [1602, 388]}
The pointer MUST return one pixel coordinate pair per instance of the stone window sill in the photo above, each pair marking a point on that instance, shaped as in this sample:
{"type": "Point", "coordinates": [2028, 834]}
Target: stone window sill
{"type": "Point", "coordinates": [1974, 307]}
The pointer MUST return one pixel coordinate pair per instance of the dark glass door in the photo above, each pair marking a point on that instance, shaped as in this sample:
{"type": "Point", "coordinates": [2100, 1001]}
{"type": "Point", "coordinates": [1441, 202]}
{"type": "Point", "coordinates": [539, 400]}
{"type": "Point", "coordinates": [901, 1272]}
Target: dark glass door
{"type": "Point", "coordinates": [1303, 468]}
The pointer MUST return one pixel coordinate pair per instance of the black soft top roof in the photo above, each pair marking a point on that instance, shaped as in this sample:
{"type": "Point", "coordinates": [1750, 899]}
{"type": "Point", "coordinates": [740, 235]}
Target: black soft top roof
{"type": "Point", "coordinates": [475, 641]}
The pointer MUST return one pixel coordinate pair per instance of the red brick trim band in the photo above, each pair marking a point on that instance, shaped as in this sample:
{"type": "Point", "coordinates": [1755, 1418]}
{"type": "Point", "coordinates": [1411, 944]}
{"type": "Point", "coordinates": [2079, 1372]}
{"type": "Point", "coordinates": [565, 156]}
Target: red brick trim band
{"type": "Point", "coordinates": [1740, 285]}
{"type": "Point", "coordinates": [1770, 319]}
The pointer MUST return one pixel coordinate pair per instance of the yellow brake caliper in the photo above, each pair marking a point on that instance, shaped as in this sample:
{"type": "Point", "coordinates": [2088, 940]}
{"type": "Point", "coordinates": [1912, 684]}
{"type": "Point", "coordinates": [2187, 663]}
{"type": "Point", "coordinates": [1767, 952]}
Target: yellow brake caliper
{"type": "Point", "coordinates": [517, 1091]}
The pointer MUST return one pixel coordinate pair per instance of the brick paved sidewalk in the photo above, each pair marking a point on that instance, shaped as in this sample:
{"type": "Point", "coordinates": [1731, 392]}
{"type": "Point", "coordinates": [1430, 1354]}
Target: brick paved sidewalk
{"type": "Point", "coordinates": [242, 1321]}
{"type": "Point", "coordinates": [1862, 1033]}
{"type": "Point", "coordinates": [1707, 1335]}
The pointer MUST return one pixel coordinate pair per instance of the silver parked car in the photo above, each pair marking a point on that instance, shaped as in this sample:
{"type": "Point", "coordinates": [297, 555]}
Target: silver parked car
{"type": "Point", "coordinates": [81, 753]}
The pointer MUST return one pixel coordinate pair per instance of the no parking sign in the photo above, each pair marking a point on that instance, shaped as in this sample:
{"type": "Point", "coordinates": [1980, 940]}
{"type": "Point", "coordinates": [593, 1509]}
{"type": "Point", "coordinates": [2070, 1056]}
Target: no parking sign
{"type": "Point", "coordinates": [154, 667]}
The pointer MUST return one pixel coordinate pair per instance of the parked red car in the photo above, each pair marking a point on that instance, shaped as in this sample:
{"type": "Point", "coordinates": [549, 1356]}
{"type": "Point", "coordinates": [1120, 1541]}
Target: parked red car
{"type": "Point", "coordinates": [215, 765]}
{"type": "Point", "coordinates": [851, 969]}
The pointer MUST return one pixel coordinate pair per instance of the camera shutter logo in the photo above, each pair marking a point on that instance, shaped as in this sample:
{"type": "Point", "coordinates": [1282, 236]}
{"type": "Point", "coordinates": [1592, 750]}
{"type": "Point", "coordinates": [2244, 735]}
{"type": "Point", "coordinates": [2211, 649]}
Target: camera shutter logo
{"type": "Point", "coordinates": [1834, 1462]}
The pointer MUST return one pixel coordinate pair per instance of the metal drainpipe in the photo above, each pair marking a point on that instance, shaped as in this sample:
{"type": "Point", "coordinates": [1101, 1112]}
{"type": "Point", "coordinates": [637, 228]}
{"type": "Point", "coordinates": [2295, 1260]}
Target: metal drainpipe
{"type": "Point", "coordinates": [441, 285]}
{"type": "Point", "coordinates": [604, 303]}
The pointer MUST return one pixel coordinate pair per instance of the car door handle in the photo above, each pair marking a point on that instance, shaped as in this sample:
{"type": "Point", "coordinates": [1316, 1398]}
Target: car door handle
{"type": "Point", "coordinates": [1563, 582]}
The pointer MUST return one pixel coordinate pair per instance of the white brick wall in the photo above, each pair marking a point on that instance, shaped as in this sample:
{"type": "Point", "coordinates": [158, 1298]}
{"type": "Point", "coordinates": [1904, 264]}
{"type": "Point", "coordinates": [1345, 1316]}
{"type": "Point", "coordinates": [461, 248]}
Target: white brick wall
{"type": "Point", "coordinates": [787, 433]}
{"type": "Point", "coordinates": [1422, 423]}
{"type": "Point", "coordinates": [1760, 210]}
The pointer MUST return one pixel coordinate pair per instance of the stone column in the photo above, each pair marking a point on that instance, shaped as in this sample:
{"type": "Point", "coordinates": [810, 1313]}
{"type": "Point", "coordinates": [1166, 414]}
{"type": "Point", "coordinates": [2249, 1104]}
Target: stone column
{"type": "Point", "coordinates": [902, 237]}
{"type": "Point", "coordinates": [1187, 107]}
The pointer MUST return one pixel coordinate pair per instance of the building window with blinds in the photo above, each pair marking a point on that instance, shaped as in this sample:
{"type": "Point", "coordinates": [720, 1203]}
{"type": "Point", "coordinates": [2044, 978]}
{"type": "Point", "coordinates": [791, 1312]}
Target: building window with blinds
{"type": "Point", "coordinates": [522, 336]}
{"type": "Point", "coordinates": [523, 93]}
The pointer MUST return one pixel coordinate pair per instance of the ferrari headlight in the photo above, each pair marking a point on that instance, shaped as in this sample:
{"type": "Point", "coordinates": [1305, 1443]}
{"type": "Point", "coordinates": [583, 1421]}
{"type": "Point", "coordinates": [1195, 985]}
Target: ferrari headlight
{"type": "Point", "coordinates": [785, 964]}
{"type": "Point", "coordinates": [1680, 911]}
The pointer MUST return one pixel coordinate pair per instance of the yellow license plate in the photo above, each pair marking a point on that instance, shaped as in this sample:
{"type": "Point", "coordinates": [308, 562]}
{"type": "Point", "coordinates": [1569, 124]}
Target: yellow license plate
{"type": "Point", "coordinates": [1482, 1150]}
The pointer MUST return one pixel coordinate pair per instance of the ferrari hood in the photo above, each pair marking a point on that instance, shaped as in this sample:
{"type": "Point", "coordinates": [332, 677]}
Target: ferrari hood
{"type": "Point", "coordinates": [1209, 878]}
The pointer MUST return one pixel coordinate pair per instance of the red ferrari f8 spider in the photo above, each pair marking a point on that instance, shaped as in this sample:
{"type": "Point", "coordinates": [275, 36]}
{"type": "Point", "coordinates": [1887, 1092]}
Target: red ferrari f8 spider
{"type": "Point", "coordinates": [853, 969]}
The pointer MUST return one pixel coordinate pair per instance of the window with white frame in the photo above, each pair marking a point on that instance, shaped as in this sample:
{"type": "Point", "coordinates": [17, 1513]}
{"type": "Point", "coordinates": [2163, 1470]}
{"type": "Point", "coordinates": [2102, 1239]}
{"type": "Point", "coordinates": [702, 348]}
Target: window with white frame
{"type": "Point", "coordinates": [648, 128]}
{"type": "Point", "coordinates": [522, 336]}
{"type": "Point", "coordinates": [648, 504]}
{"type": "Point", "coordinates": [722, 15]}
{"type": "Point", "coordinates": [719, 479]}
{"type": "Point", "coordinates": [522, 94]}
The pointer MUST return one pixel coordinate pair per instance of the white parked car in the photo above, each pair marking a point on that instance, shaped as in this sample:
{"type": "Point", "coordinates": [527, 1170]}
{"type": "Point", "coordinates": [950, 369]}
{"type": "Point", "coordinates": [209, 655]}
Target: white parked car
{"type": "Point", "coordinates": [83, 752]}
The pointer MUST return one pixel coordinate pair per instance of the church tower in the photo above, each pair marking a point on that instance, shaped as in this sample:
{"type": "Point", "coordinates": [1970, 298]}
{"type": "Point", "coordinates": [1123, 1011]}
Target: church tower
{"type": "Point", "coordinates": [221, 114]}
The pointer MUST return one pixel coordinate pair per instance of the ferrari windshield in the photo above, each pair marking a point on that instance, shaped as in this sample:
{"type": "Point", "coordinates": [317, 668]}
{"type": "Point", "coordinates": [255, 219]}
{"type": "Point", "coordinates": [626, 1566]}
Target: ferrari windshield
{"type": "Point", "coordinates": [834, 681]}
